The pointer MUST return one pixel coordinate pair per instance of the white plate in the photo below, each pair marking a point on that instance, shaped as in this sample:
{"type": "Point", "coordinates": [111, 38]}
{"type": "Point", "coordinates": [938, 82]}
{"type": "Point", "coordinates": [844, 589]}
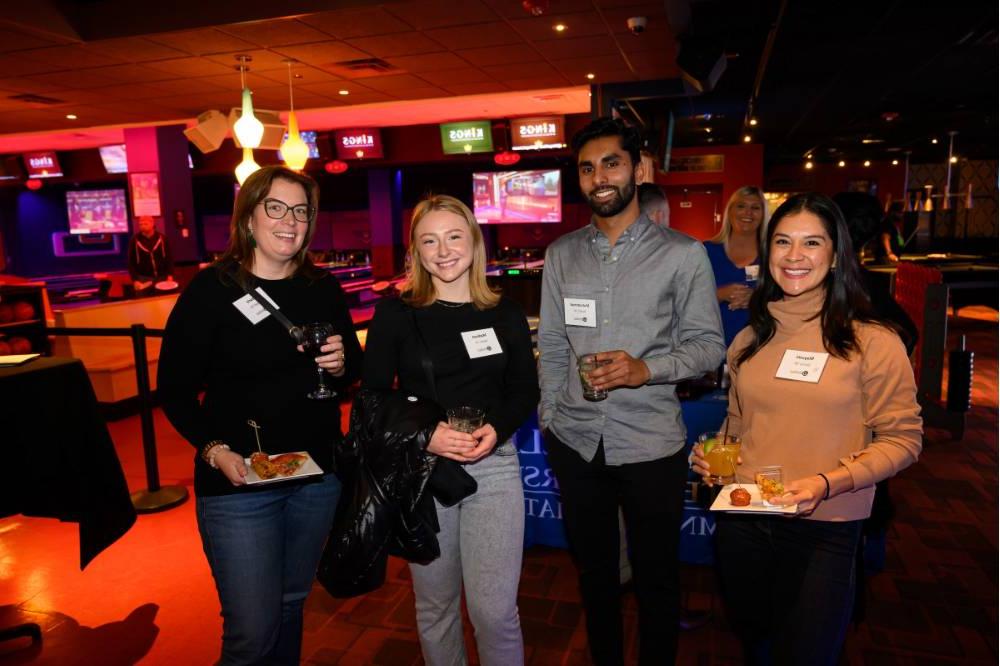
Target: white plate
{"type": "Point", "coordinates": [721, 502]}
{"type": "Point", "coordinates": [308, 468]}
{"type": "Point", "coordinates": [165, 285]}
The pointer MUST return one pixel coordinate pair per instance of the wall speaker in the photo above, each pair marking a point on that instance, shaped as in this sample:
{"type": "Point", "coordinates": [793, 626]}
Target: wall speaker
{"type": "Point", "coordinates": [210, 131]}
{"type": "Point", "coordinates": [274, 129]}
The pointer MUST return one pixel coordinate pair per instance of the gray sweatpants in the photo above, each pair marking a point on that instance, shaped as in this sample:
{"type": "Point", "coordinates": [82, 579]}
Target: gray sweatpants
{"type": "Point", "coordinates": [482, 541]}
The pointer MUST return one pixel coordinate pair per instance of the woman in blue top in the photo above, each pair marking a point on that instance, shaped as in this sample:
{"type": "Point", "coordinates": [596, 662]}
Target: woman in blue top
{"type": "Point", "coordinates": [733, 253]}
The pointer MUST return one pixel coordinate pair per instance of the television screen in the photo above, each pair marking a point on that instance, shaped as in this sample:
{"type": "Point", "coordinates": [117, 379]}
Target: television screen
{"type": "Point", "coordinates": [42, 165]}
{"type": "Point", "coordinates": [114, 158]}
{"type": "Point", "coordinates": [97, 212]}
{"type": "Point", "coordinates": [517, 197]}
{"type": "Point", "coordinates": [309, 136]}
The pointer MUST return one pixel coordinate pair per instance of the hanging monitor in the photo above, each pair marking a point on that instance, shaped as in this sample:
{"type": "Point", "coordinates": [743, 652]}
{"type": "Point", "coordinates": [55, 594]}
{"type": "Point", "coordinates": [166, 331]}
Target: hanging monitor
{"type": "Point", "coordinates": [517, 197]}
{"type": "Point", "coordinates": [97, 211]}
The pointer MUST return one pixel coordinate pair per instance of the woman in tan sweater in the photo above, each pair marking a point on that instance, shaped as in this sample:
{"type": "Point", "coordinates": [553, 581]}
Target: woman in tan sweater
{"type": "Point", "coordinates": [824, 389]}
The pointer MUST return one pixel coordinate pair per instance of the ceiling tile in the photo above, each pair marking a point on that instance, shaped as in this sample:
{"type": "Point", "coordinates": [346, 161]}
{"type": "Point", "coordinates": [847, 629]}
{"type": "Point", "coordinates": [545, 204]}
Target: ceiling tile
{"type": "Point", "coordinates": [184, 67]}
{"type": "Point", "coordinates": [445, 78]}
{"type": "Point", "coordinates": [426, 14]}
{"type": "Point", "coordinates": [576, 47]}
{"type": "Point", "coordinates": [279, 32]}
{"type": "Point", "coordinates": [130, 91]}
{"type": "Point", "coordinates": [305, 73]}
{"type": "Point", "coordinates": [428, 62]}
{"type": "Point", "coordinates": [260, 59]}
{"type": "Point", "coordinates": [323, 53]}
{"type": "Point", "coordinates": [190, 87]}
{"type": "Point", "coordinates": [499, 55]}
{"type": "Point", "coordinates": [393, 83]}
{"type": "Point", "coordinates": [200, 42]}
{"type": "Point", "coordinates": [351, 23]}
{"type": "Point", "coordinates": [478, 88]}
{"type": "Point", "coordinates": [28, 85]}
{"type": "Point", "coordinates": [580, 24]}
{"type": "Point", "coordinates": [521, 71]}
{"type": "Point", "coordinates": [369, 97]}
{"type": "Point", "coordinates": [536, 83]}
{"type": "Point", "coordinates": [427, 92]}
{"type": "Point", "coordinates": [577, 68]}
{"type": "Point", "coordinates": [496, 33]}
{"type": "Point", "coordinates": [134, 74]}
{"type": "Point", "coordinates": [15, 65]}
{"type": "Point", "coordinates": [86, 78]}
{"type": "Point", "coordinates": [69, 57]}
{"type": "Point", "coordinates": [134, 49]}
{"type": "Point", "coordinates": [16, 40]}
{"type": "Point", "coordinates": [398, 44]}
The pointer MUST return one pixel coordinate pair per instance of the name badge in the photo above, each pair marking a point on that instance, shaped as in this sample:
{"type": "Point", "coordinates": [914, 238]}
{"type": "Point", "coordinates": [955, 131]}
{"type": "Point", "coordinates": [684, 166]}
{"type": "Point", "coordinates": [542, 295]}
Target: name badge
{"type": "Point", "coordinates": [752, 272]}
{"type": "Point", "coordinates": [802, 366]}
{"type": "Point", "coordinates": [251, 307]}
{"type": "Point", "coordinates": [580, 312]}
{"type": "Point", "coordinates": [481, 343]}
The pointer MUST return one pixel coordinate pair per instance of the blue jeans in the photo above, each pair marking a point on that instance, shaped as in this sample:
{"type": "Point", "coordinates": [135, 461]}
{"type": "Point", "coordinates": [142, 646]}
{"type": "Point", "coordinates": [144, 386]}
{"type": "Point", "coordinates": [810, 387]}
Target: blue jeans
{"type": "Point", "coordinates": [263, 547]}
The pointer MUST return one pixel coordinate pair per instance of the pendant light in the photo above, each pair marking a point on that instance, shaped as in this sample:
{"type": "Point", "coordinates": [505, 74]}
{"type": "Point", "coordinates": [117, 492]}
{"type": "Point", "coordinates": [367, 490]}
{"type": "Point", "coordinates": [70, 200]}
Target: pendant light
{"type": "Point", "coordinates": [294, 150]}
{"type": "Point", "coordinates": [246, 167]}
{"type": "Point", "coordinates": [248, 130]}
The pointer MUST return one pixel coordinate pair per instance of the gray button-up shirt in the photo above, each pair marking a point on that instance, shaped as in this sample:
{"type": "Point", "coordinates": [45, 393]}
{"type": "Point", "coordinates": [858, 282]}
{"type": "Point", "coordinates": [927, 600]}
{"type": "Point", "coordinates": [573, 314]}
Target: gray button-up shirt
{"type": "Point", "coordinates": [654, 297]}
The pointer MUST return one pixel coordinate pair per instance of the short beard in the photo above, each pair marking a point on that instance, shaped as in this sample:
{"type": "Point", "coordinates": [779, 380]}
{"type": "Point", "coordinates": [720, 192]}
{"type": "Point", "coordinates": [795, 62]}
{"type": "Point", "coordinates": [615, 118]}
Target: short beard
{"type": "Point", "coordinates": [616, 204]}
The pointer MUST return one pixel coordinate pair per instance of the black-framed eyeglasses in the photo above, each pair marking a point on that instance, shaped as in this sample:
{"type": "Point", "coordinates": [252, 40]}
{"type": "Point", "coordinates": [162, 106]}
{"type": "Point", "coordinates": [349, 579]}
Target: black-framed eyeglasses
{"type": "Point", "coordinates": [277, 209]}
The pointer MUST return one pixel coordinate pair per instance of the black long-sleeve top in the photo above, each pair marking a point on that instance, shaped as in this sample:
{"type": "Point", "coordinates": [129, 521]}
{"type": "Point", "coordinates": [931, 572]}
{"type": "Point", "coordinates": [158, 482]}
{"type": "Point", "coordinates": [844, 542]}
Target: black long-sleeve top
{"type": "Point", "coordinates": [251, 371]}
{"type": "Point", "coordinates": [505, 385]}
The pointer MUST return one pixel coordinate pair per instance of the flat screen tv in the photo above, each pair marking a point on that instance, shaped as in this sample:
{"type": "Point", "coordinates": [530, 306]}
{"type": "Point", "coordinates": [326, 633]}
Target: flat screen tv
{"type": "Point", "coordinates": [97, 211]}
{"type": "Point", "coordinates": [114, 158]}
{"type": "Point", "coordinates": [517, 197]}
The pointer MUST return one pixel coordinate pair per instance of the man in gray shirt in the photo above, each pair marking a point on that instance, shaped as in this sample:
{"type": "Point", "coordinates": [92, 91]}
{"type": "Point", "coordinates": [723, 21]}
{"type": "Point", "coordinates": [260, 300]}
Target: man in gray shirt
{"type": "Point", "coordinates": [640, 298]}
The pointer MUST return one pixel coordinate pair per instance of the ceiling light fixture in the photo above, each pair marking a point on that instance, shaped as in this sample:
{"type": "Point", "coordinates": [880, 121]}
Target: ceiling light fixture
{"type": "Point", "coordinates": [559, 27]}
{"type": "Point", "coordinates": [246, 167]}
{"type": "Point", "coordinates": [294, 150]}
{"type": "Point", "coordinates": [895, 163]}
{"type": "Point", "coordinates": [590, 76]}
{"type": "Point", "coordinates": [70, 116]}
{"type": "Point", "coordinates": [841, 163]}
{"type": "Point", "coordinates": [248, 130]}
{"type": "Point", "coordinates": [934, 141]}
{"type": "Point", "coordinates": [954, 159]}
{"type": "Point", "coordinates": [753, 122]}
{"type": "Point", "coordinates": [809, 165]}
{"type": "Point", "coordinates": [747, 138]}
{"type": "Point", "coordinates": [344, 92]}
{"type": "Point", "coordinates": [868, 163]}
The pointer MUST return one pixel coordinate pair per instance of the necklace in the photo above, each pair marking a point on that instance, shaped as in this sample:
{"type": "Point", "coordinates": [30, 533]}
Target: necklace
{"type": "Point", "coordinates": [449, 304]}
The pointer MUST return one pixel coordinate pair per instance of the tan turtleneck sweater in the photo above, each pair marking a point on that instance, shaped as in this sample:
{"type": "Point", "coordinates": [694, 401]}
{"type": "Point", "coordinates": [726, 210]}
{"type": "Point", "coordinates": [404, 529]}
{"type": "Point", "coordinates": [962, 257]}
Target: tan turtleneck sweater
{"type": "Point", "coordinates": [863, 413]}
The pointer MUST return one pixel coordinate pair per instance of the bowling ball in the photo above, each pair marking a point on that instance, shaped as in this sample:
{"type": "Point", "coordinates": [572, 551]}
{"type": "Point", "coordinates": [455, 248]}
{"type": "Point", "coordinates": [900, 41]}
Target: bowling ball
{"type": "Point", "coordinates": [6, 313]}
{"type": "Point", "coordinates": [23, 310]}
{"type": "Point", "coordinates": [19, 345]}
{"type": "Point", "coordinates": [4, 348]}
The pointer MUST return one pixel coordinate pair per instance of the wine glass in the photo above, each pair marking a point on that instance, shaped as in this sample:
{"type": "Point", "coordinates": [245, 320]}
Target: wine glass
{"type": "Point", "coordinates": [314, 336]}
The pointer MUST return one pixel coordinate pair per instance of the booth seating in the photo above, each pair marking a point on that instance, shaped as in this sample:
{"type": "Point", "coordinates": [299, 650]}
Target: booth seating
{"type": "Point", "coordinates": [109, 361]}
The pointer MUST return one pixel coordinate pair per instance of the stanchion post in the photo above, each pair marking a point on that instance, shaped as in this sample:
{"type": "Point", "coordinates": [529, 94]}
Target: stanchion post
{"type": "Point", "coordinates": [155, 497]}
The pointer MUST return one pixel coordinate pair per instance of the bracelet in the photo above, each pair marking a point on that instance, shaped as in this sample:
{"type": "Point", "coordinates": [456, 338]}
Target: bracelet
{"type": "Point", "coordinates": [826, 496]}
{"type": "Point", "coordinates": [208, 455]}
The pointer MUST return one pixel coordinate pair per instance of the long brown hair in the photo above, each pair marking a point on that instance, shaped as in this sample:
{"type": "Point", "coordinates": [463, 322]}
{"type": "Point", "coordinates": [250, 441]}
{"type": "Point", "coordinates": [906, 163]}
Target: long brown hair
{"type": "Point", "coordinates": [418, 288]}
{"type": "Point", "coordinates": [239, 251]}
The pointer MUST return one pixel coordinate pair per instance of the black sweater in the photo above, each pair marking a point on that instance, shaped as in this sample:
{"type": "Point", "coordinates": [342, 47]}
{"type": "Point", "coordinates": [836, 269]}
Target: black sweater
{"type": "Point", "coordinates": [505, 385]}
{"type": "Point", "coordinates": [251, 371]}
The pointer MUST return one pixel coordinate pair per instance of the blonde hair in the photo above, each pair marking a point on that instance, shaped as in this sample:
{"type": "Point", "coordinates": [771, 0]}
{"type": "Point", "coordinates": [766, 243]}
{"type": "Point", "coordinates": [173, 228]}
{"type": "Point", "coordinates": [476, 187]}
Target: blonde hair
{"type": "Point", "coordinates": [418, 288]}
{"type": "Point", "coordinates": [727, 226]}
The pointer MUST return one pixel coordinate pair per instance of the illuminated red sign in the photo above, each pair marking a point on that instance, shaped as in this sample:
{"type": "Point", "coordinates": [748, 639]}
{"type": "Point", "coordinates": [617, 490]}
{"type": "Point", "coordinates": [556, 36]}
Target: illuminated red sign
{"type": "Point", "coordinates": [42, 165]}
{"type": "Point", "coordinates": [537, 133]}
{"type": "Point", "coordinates": [357, 144]}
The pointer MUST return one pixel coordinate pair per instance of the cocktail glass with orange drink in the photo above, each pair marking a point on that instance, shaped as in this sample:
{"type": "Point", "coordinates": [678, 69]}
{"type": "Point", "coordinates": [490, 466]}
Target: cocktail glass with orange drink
{"type": "Point", "coordinates": [721, 451]}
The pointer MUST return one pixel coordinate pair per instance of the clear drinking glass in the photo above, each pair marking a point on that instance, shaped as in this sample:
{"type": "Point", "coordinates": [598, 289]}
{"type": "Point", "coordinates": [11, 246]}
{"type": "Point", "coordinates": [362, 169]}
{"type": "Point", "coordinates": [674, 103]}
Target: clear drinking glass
{"type": "Point", "coordinates": [770, 482]}
{"type": "Point", "coordinates": [587, 363]}
{"type": "Point", "coordinates": [314, 336]}
{"type": "Point", "coordinates": [721, 451]}
{"type": "Point", "coordinates": [466, 419]}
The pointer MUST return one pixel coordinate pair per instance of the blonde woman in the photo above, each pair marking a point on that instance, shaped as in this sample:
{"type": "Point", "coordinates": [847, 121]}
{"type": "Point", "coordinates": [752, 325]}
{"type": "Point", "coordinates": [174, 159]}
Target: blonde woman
{"type": "Point", "coordinates": [479, 347]}
{"type": "Point", "coordinates": [733, 253]}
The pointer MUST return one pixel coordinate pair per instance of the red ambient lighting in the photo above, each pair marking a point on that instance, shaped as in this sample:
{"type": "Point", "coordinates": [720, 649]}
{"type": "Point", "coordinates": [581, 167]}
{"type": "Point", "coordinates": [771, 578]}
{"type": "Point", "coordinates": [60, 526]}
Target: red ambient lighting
{"type": "Point", "coordinates": [507, 158]}
{"type": "Point", "coordinates": [33, 184]}
{"type": "Point", "coordinates": [335, 166]}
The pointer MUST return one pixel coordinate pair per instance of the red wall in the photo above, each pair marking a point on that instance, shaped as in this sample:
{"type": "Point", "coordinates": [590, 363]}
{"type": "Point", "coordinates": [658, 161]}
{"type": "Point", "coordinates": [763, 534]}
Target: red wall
{"type": "Point", "coordinates": [743, 164]}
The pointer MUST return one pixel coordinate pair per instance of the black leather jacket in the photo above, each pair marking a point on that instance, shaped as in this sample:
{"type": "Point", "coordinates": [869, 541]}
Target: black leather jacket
{"type": "Point", "coordinates": [385, 505]}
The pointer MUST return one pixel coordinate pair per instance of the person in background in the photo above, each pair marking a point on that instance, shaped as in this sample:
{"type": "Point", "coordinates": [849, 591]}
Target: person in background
{"type": "Point", "coordinates": [823, 387]}
{"type": "Point", "coordinates": [653, 204]}
{"type": "Point", "coordinates": [478, 347]}
{"type": "Point", "coordinates": [232, 382]}
{"type": "Point", "coordinates": [733, 253]}
{"type": "Point", "coordinates": [149, 257]}
{"type": "Point", "coordinates": [640, 298]}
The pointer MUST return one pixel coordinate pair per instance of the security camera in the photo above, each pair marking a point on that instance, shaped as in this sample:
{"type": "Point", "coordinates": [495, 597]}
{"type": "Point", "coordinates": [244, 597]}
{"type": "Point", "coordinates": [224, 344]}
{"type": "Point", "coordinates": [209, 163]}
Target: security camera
{"type": "Point", "coordinates": [636, 25]}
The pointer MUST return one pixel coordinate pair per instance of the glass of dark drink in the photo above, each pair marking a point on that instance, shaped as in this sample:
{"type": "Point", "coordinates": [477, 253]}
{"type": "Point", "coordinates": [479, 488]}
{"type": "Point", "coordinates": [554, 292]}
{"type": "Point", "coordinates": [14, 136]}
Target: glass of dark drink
{"type": "Point", "coordinates": [313, 338]}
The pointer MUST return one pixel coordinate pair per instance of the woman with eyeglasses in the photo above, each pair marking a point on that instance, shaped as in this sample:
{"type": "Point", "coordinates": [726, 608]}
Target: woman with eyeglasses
{"type": "Point", "coordinates": [263, 542]}
{"type": "Point", "coordinates": [733, 253]}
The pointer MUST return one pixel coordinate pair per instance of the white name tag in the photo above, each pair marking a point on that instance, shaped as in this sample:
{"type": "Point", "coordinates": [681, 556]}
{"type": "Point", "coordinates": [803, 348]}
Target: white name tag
{"type": "Point", "coordinates": [752, 271]}
{"type": "Point", "coordinates": [252, 309]}
{"type": "Point", "coordinates": [802, 366]}
{"type": "Point", "coordinates": [481, 343]}
{"type": "Point", "coordinates": [580, 312]}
